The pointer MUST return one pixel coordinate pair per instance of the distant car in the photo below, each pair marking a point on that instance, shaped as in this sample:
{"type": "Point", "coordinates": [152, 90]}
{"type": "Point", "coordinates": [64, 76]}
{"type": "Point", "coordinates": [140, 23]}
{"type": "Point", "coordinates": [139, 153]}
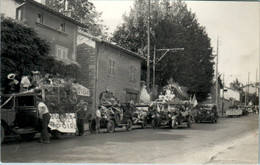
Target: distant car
{"type": "Point", "coordinates": [234, 111]}
{"type": "Point", "coordinates": [207, 113]}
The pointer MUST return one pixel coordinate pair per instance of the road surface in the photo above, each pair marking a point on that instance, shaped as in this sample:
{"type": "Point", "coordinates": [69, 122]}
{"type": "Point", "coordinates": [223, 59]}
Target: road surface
{"type": "Point", "coordinates": [231, 140]}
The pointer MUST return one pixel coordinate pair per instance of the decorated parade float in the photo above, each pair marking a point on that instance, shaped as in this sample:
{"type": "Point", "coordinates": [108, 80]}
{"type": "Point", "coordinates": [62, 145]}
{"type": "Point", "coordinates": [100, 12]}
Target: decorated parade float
{"type": "Point", "coordinates": [172, 109]}
{"type": "Point", "coordinates": [234, 111]}
{"type": "Point", "coordinates": [19, 114]}
{"type": "Point", "coordinates": [113, 114]}
{"type": "Point", "coordinates": [207, 113]}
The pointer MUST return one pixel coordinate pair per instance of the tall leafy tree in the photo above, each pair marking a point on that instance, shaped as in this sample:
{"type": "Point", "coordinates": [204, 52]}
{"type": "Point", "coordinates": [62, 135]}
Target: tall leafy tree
{"type": "Point", "coordinates": [23, 51]}
{"type": "Point", "coordinates": [172, 26]}
{"type": "Point", "coordinates": [84, 12]}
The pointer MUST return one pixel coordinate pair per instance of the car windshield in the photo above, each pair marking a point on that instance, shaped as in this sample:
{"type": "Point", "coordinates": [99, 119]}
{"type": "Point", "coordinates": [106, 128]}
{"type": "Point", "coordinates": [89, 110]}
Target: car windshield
{"type": "Point", "coordinates": [8, 103]}
{"type": "Point", "coordinates": [25, 101]}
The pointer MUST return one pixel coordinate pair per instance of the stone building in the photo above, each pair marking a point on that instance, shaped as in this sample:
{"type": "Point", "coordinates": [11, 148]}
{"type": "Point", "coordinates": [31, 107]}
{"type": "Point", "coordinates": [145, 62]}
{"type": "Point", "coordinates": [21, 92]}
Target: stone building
{"type": "Point", "coordinates": [108, 67]}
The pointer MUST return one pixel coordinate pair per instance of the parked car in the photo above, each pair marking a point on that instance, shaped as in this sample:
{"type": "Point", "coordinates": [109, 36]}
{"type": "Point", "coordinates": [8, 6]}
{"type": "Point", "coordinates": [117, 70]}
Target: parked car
{"type": "Point", "coordinates": [19, 117]}
{"type": "Point", "coordinates": [142, 115]}
{"type": "Point", "coordinates": [171, 114]}
{"type": "Point", "coordinates": [207, 113]}
{"type": "Point", "coordinates": [113, 116]}
{"type": "Point", "coordinates": [234, 111]}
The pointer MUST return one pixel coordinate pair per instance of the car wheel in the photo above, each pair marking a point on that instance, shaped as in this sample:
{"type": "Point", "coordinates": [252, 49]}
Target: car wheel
{"type": "Point", "coordinates": [110, 126]}
{"type": "Point", "coordinates": [2, 134]}
{"type": "Point", "coordinates": [144, 124]}
{"type": "Point", "coordinates": [92, 126]}
{"type": "Point", "coordinates": [129, 125]}
{"type": "Point", "coordinates": [56, 134]}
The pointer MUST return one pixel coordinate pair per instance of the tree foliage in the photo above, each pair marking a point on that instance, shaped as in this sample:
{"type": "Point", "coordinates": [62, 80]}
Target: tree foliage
{"type": "Point", "coordinates": [22, 51]}
{"type": "Point", "coordinates": [82, 11]}
{"type": "Point", "coordinates": [172, 25]}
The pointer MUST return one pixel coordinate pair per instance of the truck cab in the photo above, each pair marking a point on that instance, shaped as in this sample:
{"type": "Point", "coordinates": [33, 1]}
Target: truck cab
{"type": "Point", "coordinates": [19, 115]}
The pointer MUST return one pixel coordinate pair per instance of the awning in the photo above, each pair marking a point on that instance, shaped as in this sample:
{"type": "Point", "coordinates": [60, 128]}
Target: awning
{"type": "Point", "coordinates": [81, 90]}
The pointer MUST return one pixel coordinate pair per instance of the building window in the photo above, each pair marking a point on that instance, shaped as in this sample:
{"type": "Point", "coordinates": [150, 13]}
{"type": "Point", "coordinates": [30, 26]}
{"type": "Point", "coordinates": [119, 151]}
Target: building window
{"type": "Point", "coordinates": [40, 17]}
{"type": "Point", "coordinates": [132, 73]}
{"type": "Point", "coordinates": [111, 69]}
{"type": "Point", "coordinates": [62, 26]}
{"type": "Point", "coordinates": [61, 52]}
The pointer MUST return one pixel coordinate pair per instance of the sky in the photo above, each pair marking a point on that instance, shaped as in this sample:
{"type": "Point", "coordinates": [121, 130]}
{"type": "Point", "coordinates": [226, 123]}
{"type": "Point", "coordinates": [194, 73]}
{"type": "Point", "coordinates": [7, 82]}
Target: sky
{"type": "Point", "coordinates": [235, 23]}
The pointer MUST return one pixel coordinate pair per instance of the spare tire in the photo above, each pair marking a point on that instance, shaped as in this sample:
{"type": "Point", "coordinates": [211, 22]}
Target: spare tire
{"type": "Point", "coordinates": [117, 118]}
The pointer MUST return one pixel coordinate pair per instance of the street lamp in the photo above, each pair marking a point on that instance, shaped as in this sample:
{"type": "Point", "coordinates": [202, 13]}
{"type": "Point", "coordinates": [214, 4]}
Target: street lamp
{"type": "Point", "coordinates": [155, 62]}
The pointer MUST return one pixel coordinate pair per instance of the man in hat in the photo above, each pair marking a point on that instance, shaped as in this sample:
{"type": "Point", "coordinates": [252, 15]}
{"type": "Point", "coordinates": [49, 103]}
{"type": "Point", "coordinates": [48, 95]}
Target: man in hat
{"type": "Point", "coordinates": [81, 116]}
{"type": "Point", "coordinates": [11, 84]}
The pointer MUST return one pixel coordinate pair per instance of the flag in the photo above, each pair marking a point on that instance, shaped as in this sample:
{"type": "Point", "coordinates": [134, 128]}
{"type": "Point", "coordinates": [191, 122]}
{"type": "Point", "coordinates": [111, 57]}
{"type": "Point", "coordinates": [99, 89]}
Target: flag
{"type": "Point", "coordinates": [195, 102]}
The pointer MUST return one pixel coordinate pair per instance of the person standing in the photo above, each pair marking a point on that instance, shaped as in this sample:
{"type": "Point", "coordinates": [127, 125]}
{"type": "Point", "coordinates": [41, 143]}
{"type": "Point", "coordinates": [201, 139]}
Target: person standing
{"type": "Point", "coordinates": [44, 117]}
{"type": "Point", "coordinates": [98, 118]}
{"type": "Point", "coordinates": [81, 116]}
{"type": "Point", "coordinates": [11, 84]}
{"type": "Point", "coordinates": [25, 83]}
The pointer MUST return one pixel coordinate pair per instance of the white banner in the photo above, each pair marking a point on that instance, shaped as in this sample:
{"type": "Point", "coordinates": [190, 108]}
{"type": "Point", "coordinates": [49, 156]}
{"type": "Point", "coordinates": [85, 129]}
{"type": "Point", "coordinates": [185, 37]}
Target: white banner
{"type": "Point", "coordinates": [81, 90]}
{"type": "Point", "coordinates": [64, 123]}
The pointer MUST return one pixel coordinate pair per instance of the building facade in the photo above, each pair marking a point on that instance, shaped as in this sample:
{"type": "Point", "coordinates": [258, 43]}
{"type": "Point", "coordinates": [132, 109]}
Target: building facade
{"type": "Point", "coordinates": [108, 67]}
{"type": "Point", "coordinates": [8, 7]}
{"type": "Point", "coordinates": [229, 93]}
{"type": "Point", "coordinates": [59, 30]}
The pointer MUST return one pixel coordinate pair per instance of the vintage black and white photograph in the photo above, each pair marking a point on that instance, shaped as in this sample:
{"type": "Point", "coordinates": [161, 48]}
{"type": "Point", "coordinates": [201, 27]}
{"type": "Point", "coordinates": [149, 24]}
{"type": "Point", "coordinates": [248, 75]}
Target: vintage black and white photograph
{"type": "Point", "coordinates": [130, 81]}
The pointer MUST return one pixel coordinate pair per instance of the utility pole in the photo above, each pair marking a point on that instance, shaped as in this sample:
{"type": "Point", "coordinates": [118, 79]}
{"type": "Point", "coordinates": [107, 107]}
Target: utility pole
{"type": "Point", "coordinates": [248, 86]}
{"type": "Point", "coordinates": [154, 54]}
{"type": "Point", "coordinates": [256, 87]}
{"type": "Point", "coordinates": [217, 96]}
{"type": "Point", "coordinates": [148, 54]}
{"type": "Point", "coordinates": [222, 104]}
{"type": "Point", "coordinates": [247, 91]}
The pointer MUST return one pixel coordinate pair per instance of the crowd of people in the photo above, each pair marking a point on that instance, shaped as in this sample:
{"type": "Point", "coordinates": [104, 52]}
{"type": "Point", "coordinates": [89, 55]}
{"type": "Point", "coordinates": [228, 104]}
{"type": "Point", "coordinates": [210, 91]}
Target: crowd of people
{"type": "Point", "coordinates": [28, 82]}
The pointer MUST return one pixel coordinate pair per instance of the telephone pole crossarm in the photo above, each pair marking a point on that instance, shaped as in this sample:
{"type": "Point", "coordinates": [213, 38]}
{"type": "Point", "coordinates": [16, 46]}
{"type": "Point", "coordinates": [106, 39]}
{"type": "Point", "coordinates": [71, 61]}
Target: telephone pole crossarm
{"type": "Point", "coordinates": [166, 51]}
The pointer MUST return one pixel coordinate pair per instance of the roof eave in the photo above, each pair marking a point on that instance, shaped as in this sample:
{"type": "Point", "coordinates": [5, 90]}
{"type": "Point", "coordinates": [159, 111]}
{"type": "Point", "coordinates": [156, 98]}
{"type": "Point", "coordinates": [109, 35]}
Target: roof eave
{"type": "Point", "coordinates": [54, 12]}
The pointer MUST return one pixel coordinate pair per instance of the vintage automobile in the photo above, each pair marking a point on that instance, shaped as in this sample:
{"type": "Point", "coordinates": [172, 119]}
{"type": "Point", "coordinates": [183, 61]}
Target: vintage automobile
{"type": "Point", "coordinates": [19, 116]}
{"type": "Point", "coordinates": [113, 116]}
{"type": "Point", "coordinates": [206, 113]}
{"type": "Point", "coordinates": [142, 115]}
{"type": "Point", "coordinates": [171, 114]}
{"type": "Point", "coordinates": [234, 111]}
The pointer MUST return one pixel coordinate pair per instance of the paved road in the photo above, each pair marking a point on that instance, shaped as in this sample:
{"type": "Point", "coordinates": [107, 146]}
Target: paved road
{"type": "Point", "coordinates": [231, 140]}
